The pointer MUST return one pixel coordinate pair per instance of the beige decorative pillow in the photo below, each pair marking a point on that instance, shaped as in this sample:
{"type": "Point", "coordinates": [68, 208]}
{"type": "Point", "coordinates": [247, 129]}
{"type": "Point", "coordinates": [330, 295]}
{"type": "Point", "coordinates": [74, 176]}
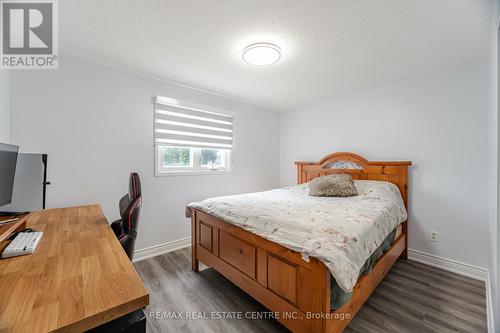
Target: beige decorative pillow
{"type": "Point", "coordinates": [338, 185]}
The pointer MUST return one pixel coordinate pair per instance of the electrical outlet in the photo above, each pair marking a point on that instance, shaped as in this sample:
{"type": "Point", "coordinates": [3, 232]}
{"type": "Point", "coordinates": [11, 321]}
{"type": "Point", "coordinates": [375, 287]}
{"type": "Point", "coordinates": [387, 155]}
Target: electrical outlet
{"type": "Point", "coordinates": [434, 236]}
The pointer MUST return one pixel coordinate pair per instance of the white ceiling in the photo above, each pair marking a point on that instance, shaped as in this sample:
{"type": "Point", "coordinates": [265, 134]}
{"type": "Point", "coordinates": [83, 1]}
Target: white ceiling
{"type": "Point", "coordinates": [330, 47]}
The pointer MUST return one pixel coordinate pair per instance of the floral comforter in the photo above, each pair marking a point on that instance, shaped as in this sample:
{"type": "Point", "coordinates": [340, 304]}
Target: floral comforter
{"type": "Point", "coordinates": [341, 232]}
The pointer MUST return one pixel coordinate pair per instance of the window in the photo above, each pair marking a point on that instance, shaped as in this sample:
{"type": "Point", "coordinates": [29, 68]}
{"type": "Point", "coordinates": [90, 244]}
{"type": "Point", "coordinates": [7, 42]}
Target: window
{"type": "Point", "coordinates": [186, 159]}
{"type": "Point", "coordinates": [190, 139]}
{"type": "Point", "coordinates": [177, 157]}
{"type": "Point", "coordinates": [212, 158]}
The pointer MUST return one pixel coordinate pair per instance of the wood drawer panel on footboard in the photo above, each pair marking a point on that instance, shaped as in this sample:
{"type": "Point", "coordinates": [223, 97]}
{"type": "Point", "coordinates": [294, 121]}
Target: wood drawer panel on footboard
{"type": "Point", "coordinates": [276, 277]}
{"type": "Point", "coordinates": [238, 254]}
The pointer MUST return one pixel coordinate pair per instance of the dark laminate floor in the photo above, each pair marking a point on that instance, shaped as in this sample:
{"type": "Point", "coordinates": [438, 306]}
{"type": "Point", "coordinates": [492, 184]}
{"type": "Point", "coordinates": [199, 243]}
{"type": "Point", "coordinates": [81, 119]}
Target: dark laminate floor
{"type": "Point", "coordinates": [412, 298]}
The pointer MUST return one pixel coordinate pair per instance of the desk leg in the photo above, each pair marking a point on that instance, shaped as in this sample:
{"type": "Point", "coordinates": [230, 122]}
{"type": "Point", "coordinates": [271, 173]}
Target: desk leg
{"type": "Point", "coordinates": [134, 322]}
{"type": "Point", "coordinates": [195, 263]}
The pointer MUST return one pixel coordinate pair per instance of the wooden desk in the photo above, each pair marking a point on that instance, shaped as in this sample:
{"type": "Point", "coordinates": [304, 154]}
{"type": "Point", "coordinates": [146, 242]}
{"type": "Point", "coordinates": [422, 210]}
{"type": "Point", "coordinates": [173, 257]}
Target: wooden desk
{"type": "Point", "coordinates": [78, 278]}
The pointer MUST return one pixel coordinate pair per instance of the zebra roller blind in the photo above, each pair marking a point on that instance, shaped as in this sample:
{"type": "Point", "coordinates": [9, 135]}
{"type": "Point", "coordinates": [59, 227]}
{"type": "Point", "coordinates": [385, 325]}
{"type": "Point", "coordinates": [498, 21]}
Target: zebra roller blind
{"type": "Point", "coordinates": [178, 124]}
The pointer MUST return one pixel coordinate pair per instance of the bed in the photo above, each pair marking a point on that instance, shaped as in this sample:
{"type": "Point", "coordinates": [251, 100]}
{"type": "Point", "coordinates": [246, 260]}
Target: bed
{"type": "Point", "coordinates": [280, 247]}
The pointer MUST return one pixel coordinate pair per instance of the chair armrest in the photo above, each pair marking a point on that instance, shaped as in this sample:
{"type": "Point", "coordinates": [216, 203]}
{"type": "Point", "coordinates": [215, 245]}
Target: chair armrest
{"type": "Point", "coordinates": [128, 244]}
{"type": "Point", "coordinates": [117, 227]}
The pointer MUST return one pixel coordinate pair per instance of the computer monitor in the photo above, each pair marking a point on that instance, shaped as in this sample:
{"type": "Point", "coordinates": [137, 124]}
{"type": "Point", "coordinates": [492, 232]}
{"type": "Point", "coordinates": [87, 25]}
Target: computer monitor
{"type": "Point", "coordinates": [8, 162]}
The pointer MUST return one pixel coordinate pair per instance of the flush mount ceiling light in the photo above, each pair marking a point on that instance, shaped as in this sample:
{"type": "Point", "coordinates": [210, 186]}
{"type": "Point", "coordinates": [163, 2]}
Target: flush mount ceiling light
{"type": "Point", "coordinates": [261, 54]}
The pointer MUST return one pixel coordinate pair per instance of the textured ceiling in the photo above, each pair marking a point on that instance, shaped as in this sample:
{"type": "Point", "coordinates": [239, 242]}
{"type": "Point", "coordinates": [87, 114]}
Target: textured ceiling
{"type": "Point", "coordinates": [329, 47]}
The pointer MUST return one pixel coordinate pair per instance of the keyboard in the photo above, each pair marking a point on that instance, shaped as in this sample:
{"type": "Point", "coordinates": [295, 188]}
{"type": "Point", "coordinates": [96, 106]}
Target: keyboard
{"type": "Point", "coordinates": [24, 243]}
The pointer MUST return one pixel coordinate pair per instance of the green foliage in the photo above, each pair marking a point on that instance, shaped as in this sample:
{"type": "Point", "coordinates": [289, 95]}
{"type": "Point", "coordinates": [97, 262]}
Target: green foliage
{"type": "Point", "coordinates": [174, 156]}
{"type": "Point", "coordinates": [181, 157]}
{"type": "Point", "coordinates": [208, 156]}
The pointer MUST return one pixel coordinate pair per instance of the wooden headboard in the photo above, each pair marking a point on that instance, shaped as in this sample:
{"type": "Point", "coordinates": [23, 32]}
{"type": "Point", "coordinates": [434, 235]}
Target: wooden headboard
{"type": "Point", "coordinates": [359, 168]}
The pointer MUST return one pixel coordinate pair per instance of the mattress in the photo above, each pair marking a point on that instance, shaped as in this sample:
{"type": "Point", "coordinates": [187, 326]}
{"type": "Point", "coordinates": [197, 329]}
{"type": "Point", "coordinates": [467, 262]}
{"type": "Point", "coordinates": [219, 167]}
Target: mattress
{"type": "Point", "coordinates": [338, 297]}
{"type": "Point", "coordinates": [341, 232]}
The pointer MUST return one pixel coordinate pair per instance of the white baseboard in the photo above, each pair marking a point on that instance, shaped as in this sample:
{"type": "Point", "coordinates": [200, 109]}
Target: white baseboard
{"type": "Point", "coordinates": [460, 268]}
{"type": "Point", "coordinates": [449, 265]}
{"type": "Point", "coordinates": [156, 250]}
{"type": "Point", "coordinates": [489, 307]}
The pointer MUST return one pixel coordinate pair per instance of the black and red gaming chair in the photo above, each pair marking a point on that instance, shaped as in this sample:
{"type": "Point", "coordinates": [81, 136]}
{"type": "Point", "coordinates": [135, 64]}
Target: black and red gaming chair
{"type": "Point", "coordinates": [130, 208]}
{"type": "Point", "coordinates": [134, 191]}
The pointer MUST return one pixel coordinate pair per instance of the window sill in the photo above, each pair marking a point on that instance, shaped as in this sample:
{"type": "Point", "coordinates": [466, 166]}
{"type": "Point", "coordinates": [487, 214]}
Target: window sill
{"type": "Point", "coordinates": [192, 173]}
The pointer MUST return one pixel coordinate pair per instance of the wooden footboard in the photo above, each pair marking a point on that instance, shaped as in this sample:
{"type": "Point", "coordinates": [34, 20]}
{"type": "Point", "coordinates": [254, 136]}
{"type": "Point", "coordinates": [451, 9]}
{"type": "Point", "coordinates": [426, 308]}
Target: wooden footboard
{"type": "Point", "coordinates": [297, 291]}
{"type": "Point", "coordinates": [275, 276]}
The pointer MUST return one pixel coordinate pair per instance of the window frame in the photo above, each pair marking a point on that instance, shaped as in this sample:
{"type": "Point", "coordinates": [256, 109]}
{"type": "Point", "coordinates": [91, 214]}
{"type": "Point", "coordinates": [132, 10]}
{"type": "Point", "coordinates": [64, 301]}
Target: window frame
{"type": "Point", "coordinates": [195, 169]}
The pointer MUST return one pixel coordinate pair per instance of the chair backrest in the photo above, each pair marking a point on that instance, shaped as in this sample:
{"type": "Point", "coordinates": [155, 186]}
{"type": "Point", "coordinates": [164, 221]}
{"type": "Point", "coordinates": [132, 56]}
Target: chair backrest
{"type": "Point", "coordinates": [124, 202]}
{"type": "Point", "coordinates": [134, 187]}
{"type": "Point", "coordinates": [134, 191]}
{"type": "Point", "coordinates": [130, 210]}
{"type": "Point", "coordinates": [130, 223]}
{"type": "Point", "coordinates": [130, 219]}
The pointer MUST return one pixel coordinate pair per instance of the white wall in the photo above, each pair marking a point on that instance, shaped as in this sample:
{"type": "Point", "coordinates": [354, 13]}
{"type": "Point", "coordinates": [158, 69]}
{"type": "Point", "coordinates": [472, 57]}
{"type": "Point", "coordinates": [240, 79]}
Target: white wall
{"type": "Point", "coordinates": [495, 195]}
{"type": "Point", "coordinates": [439, 122]}
{"type": "Point", "coordinates": [4, 106]}
{"type": "Point", "coordinates": [96, 124]}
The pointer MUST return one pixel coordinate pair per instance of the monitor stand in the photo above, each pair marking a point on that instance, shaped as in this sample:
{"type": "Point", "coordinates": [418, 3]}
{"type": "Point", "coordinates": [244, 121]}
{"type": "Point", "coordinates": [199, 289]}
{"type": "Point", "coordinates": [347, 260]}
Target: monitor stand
{"type": "Point", "coordinates": [6, 229]}
{"type": "Point", "coordinates": [8, 220]}
{"type": "Point", "coordinates": [13, 214]}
